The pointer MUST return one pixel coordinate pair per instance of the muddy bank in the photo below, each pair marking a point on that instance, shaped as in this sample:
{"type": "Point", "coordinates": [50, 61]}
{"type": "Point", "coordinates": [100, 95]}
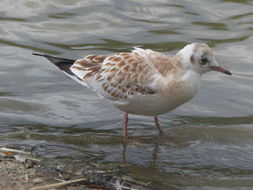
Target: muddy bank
{"type": "Point", "coordinates": [20, 170]}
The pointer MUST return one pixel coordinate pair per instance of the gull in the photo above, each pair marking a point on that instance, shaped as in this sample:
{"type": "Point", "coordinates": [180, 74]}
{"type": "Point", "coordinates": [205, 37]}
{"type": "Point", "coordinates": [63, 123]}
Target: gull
{"type": "Point", "coordinates": [143, 81]}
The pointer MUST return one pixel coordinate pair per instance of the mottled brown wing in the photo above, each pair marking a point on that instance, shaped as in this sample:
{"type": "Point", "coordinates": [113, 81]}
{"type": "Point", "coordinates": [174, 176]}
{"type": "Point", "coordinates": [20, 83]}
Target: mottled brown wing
{"type": "Point", "coordinates": [119, 76]}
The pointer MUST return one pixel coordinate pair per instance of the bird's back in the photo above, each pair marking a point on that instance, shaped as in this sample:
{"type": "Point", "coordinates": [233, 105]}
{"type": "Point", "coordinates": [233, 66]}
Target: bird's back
{"type": "Point", "coordinates": [140, 82]}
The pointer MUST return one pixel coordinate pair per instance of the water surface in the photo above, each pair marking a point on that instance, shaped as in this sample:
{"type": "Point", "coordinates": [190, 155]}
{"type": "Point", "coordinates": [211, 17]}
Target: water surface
{"type": "Point", "coordinates": [209, 141]}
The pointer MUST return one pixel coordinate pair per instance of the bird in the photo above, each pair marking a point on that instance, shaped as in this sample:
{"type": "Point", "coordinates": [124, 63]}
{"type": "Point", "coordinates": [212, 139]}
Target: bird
{"type": "Point", "coordinates": [143, 81]}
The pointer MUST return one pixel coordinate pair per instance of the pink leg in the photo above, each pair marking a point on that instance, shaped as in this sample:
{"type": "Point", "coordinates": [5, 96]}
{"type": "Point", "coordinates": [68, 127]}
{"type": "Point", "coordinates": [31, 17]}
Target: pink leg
{"type": "Point", "coordinates": [158, 125]}
{"type": "Point", "coordinates": [125, 124]}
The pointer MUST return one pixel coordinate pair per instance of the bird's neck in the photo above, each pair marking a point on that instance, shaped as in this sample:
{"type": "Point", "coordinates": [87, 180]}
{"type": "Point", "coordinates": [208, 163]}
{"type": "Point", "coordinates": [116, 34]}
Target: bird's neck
{"type": "Point", "coordinates": [186, 54]}
{"type": "Point", "coordinates": [186, 59]}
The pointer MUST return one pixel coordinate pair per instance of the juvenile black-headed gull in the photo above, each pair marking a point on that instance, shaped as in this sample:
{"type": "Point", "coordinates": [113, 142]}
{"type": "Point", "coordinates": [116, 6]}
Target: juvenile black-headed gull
{"type": "Point", "coordinates": [143, 81]}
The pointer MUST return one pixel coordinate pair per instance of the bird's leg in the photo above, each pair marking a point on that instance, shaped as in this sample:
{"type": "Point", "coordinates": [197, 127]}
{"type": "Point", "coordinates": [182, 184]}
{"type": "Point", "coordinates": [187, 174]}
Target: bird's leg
{"type": "Point", "coordinates": [158, 125]}
{"type": "Point", "coordinates": [125, 125]}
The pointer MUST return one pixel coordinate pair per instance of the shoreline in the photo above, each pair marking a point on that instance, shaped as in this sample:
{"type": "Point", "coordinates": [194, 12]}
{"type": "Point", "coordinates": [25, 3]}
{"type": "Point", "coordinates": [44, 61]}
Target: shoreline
{"type": "Point", "coordinates": [20, 170]}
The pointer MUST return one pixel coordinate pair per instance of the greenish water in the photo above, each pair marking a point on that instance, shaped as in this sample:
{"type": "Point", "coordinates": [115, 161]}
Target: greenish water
{"type": "Point", "coordinates": [209, 141]}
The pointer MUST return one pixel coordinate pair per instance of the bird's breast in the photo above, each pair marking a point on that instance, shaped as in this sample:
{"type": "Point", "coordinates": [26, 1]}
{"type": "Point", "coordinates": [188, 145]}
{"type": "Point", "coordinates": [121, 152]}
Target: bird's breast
{"type": "Point", "coordinates": [170, 96]}
{"type": "Point", "coordinates": [157, 104]}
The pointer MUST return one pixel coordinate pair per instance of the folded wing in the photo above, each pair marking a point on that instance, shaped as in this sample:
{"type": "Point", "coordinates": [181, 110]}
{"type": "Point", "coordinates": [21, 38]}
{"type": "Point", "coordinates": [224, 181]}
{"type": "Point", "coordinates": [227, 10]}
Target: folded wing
{"type": "Point", "coordinates": [119, 76]}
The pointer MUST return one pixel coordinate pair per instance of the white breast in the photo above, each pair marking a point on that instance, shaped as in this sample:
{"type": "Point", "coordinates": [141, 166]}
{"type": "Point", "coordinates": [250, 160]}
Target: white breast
{"type": "Point", "coordinates": [164, 102]}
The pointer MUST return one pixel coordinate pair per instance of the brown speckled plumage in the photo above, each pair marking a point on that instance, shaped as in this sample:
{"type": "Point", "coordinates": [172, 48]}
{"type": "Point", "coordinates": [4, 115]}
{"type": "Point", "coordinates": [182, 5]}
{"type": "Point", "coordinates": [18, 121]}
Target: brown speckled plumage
{"type": "Point", "coordinates": [143, 82]}
{"type": "Point", "coordinates": [125, 74]}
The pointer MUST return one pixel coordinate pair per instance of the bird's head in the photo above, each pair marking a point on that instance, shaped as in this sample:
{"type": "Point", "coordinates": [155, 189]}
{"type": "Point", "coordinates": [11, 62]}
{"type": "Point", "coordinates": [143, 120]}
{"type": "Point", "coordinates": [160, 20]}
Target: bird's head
{"type": "Point", "coordinates": [201, 59]}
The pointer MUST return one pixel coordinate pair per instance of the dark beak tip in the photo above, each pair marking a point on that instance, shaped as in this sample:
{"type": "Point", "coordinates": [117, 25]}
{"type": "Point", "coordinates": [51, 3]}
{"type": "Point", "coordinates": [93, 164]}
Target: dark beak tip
{"type": "Point", "coordinates": [220, 69]}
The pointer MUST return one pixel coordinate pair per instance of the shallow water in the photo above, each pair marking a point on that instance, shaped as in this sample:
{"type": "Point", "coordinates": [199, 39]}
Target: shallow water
{"type": "Point", "coordinates": [209, 141]}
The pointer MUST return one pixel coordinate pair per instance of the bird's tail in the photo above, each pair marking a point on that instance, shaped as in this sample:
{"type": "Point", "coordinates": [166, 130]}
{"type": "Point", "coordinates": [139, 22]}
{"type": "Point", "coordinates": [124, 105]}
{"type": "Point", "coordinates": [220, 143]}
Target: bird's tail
{"type": "Point", "coordinates": [62, 63]}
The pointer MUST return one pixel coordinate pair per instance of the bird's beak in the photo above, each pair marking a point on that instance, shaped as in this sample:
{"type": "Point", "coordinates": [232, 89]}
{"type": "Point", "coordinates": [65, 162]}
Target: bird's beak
{"type": "Point", "coordinates": [220, 69]}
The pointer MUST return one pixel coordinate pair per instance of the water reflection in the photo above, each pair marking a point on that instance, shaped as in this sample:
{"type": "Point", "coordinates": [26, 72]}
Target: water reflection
{"type": "Point", "coordinates": [208, 141]}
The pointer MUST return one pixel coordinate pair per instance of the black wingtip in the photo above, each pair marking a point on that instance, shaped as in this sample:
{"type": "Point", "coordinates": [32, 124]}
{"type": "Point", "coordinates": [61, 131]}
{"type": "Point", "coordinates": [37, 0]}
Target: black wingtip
{"type": "Point", "coordinates": [62, 63]}
{"type": "Point", "coordinates": [38, 54]}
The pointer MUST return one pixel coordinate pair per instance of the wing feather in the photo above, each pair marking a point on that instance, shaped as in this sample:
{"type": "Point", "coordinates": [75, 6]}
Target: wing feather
{"type": "Point", "coordinates": [122, 75]}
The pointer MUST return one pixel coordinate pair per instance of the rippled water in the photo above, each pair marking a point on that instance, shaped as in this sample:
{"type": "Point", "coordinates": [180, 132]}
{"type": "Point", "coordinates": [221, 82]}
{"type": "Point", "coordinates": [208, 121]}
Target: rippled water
{"type": "Point", "coordinates": [209, 141]}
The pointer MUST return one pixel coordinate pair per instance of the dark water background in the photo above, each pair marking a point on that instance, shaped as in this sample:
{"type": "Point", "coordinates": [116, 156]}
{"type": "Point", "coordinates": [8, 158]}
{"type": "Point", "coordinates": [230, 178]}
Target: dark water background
{"type": "Point", "coordinates": [41, 107]}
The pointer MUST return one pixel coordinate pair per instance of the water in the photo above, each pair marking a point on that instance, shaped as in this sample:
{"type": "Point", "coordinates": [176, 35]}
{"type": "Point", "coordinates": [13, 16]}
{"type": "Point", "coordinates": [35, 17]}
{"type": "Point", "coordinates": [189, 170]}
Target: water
{"type": "Point", "coordinates": [209, 143]}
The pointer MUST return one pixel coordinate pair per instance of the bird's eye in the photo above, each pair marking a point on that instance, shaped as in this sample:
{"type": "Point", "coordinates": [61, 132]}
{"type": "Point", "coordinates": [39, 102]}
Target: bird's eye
{"type": "Point", "coordinates": [203, 60]}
